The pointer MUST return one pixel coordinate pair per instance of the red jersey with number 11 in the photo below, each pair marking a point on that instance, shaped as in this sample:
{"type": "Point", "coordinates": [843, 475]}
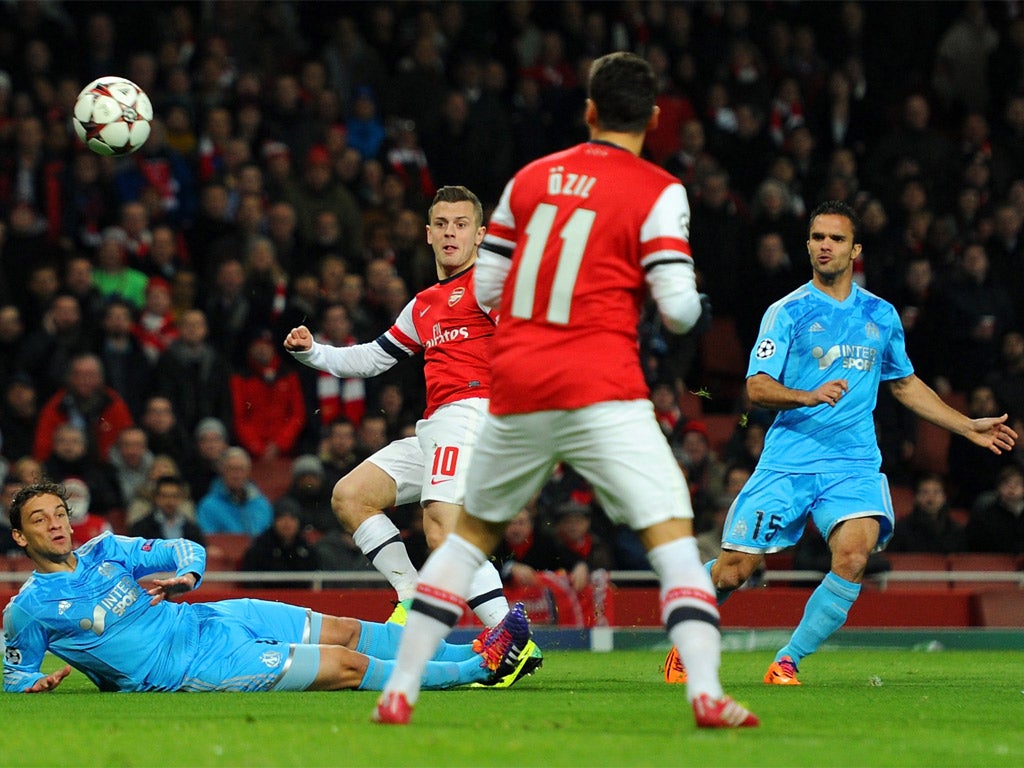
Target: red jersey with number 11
{"type": "Point", "coordinates": [582, 227]}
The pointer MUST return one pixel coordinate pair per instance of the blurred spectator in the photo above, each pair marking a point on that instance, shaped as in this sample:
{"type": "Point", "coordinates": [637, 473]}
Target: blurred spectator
{"type": "Point", "coordinates": [960, 74]}
{"type": "Point", "coordinates": [913, 147]}
{"type": "Point", "coordinates": [84, 524]}
{"type": "Point", "coordinates": [167, 518]}
{"type": "Point", "coordinates": [972, 472]}
{"type": "Point", "coordinates": [157, 326]}
{"type": "Point", "coordinates": [112, 275]}
{"type": "Point", "coordinates": [88, 202]}
{"type": "Point", "coordinates": [78, 281]}
{"type": "Point", "coordinates": [928, 527]}
{"type": "Point", "coordinates": [209, 444]}
{"type": "Point", "coordinates": [525, 550]}
{"type": "Point", "coordinates": [702, 467]}
{"type": "Point", "coordinates": [337, 450]}
{"type": "Point", "coordinates": [666, 407]}
{"type": "Point", "coordinates": [267, 403]}
{"type": "Point", "coordinates": [266, 284]}
{"type": "Point", "coordinates": [193, 375]}
{"type": "Point", "coordinates": [770, 277]}
{"type": "Point", "coordinates": [128, 371]}
{"type": "Point", "coordinates": [392, 405]}
{"type": "Point", "coordinates": [720, 234]}
{"type": "Point", "coordinates": [320, 191]}
{"type": "Point", "coordinates": [141, 504]}
{"type": "Point", "coordinates": [48, 350]}
{"type": "Point", "coordinates": [84, 400]}
{"type": "Point", "coordinates": [12, 338]}
{"type": "Point", "coordinates": [70, 459]}
{"type": "Point", "coordinates": [164, 432]}
{"type": "Point", "coordinates": [582, 551]}
{"type": "Point", "coordinates": [365, 128]}
{"type": "Point", "coordinates": [327, 394]}
{"type": "Point", "coordinates": [213, 225]}
{"type": "Point", "coordinates": [281, 547]}
{"type": "Point", "coordinates": [234, 504]}
{"type": "Point", "coordinates": [18, 417]}
{"type": "Point", "coordinates": [920, 303]}
{"type": "Point", "coordinates": [996, 522]}
{"type": "Point", "coordinates": [1007, 379]}
{"type": "Point", "coordinates": [283, 231]}
{"type": "Point", "coordinates": [131, 459]}
{"type": "Point", "coordinates": [979, 311]}
{"type": "Point", "coordinates": [691, 161]}
{"type": "Point", "coordinates": [229, 312]}
{"type": "Point", "coordinates": [371, 435]}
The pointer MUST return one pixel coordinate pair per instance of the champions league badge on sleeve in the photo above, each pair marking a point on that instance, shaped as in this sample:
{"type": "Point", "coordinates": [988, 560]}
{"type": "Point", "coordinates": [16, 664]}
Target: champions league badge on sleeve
{"type": "Point", "coordinates": [765, 349]}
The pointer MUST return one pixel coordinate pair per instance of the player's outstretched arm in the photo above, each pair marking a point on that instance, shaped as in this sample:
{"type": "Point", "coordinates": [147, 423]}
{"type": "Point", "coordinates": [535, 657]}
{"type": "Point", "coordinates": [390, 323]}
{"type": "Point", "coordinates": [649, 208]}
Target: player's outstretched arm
{"type": "Point", "coordinates": [51, 681]}
{"type": "Point", "coordinates": [991, 433]}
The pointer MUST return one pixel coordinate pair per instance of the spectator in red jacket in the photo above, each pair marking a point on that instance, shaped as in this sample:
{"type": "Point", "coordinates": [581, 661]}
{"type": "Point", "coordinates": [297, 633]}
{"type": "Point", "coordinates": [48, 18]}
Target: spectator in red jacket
{"type": "Point", "coordinates": [267, 401]}
{"type": "Point", "coordinates": [85, 399]}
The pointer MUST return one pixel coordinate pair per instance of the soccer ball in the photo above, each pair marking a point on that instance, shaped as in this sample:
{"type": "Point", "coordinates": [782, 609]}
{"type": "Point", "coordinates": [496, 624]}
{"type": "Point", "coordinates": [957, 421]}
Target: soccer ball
{"type": "Point", "coordinates": [112, 116]}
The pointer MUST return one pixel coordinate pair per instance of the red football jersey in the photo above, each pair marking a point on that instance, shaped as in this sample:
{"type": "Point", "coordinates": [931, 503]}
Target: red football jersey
{"type": "Point", "coordinates": [583, 225]}
{"type": "Point", "coordinates": [454, 333]}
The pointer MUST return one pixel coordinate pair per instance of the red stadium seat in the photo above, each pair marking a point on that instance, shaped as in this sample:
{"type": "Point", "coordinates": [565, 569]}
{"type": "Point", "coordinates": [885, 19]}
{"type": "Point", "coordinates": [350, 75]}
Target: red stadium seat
{"type": "Point", "coordinates": [723, 361]}
{"type": "Point", "coordinates": [980, 562]}
{"type": "Point", "coordinates": [914, 561]}
{"type": "Point", "coordinates": [224, 550]}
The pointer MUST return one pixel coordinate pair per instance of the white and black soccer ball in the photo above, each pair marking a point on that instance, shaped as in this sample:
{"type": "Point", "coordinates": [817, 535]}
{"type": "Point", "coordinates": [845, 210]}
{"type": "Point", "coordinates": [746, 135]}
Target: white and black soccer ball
{"type": "Point", "coordinates": [113, 116]}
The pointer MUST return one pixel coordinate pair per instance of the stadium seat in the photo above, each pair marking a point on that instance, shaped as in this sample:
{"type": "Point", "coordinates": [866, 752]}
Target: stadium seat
{"type": "Point", "coordinates": [721, 427]}
{"type": "Point", "coordinates": [272, 476]}
{"type": "Point", "coordinates": [224, 551]}
{"type": "Point", "coordinates": [723, 361]}
{"type": "Point", "coordinates": [902, 500]}
{"type": "Point", "coordinates": [979, 562]}
{"type": "Point", "coordinates": [914, 561]}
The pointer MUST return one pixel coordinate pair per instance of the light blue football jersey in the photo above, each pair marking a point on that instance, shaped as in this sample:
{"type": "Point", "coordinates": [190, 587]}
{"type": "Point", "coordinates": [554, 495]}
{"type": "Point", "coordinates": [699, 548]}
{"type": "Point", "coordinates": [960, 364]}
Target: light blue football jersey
{"type": "Point", "coordinates": [93, 618]}
{"type": "Point", "coordinates": [808, 338]}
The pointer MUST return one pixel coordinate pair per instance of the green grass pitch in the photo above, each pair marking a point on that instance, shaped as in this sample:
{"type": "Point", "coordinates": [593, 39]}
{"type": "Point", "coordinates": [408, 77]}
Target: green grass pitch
{"type": "Point", "coordinates": [855, 708]}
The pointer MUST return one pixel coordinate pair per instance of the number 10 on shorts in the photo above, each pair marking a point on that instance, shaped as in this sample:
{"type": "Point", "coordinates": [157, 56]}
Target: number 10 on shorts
{"type": "Point", "coordinates": [446, 461]}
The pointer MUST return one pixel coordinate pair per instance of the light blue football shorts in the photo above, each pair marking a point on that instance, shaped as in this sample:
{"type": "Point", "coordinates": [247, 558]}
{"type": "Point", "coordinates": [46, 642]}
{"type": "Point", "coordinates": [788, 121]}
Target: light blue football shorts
{"type": "Point", "coordinates": [254, 645]}
{"type": "Point", "coordinates": [770, 513]}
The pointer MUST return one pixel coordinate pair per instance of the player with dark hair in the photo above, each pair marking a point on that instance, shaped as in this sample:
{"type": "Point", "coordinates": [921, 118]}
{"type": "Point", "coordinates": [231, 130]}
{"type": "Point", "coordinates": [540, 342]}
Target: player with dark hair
{"type": "Point", "coordinates": [453, 332]}
{"type": "Point", "coordinates": [823, 351]}
{"type": "Point", "coordinates": [576, 242]}
{"type": "Point", "coordinates": [86, 606]}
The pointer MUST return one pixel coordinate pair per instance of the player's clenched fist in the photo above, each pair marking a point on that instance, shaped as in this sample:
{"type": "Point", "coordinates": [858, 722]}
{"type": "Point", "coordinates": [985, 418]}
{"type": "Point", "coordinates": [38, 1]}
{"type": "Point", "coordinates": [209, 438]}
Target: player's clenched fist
{"type": "Point", "coordinates": [298, 339]}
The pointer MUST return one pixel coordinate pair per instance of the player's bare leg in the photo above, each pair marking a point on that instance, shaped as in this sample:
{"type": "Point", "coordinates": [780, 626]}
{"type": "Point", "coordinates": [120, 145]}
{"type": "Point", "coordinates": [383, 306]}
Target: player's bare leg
{"type": "Point", "coordinates": [358, 501]}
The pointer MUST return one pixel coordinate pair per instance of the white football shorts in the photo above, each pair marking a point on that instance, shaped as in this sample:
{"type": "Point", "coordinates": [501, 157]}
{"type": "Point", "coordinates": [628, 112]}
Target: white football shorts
{"type": "Point", "coordinates": [432, 465]}
{"type": "Point", "coordinates": [617, 446]}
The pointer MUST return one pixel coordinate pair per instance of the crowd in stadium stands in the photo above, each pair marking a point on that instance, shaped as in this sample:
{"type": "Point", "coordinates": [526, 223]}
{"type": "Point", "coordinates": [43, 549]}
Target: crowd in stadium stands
{"type": "Point", "coordinates": [296, 147]}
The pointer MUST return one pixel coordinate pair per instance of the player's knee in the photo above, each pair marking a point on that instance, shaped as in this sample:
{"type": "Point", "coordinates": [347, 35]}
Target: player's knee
{"type": "Point", "coordinates": [347, 503]}
{"type": "Point", "coordinates": [850, 564]}
{"type": "Point", "coordinates": [732, 573]}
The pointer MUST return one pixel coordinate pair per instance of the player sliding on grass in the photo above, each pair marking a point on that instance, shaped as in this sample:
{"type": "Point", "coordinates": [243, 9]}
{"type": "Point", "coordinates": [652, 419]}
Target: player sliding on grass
{"type": "Point", "coordinates": [85, 606]}
{"type": "Point", "coordinates": [823, 352]}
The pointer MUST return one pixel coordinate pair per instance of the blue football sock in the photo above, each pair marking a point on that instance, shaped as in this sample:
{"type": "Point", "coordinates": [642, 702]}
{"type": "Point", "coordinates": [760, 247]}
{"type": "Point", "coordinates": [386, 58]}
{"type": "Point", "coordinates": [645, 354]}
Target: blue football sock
{"type": "Point", "coordinates": [437, 675]}
{"type": "Point", "coordinates": [379, 640]}
{"type": "Point", "coordinates": [824, 613]}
